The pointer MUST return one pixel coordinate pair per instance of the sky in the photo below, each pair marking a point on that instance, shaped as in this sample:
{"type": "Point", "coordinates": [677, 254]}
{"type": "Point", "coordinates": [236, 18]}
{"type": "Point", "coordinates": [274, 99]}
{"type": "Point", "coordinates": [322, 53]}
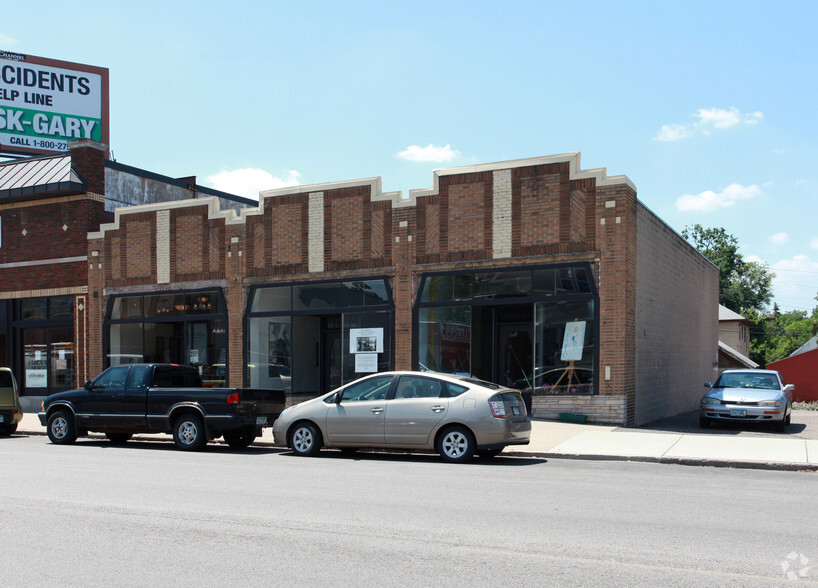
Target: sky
{"type": "Point", "coordinates": [709, 108]}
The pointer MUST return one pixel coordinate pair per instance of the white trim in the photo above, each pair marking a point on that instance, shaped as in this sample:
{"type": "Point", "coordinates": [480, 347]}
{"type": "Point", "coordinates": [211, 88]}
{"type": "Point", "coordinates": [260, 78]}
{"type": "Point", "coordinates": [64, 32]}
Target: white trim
{"type": "Point", "coordinates": [44, 262]}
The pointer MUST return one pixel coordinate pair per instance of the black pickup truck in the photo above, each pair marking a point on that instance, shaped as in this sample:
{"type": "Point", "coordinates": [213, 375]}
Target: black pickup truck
{"type": "Point", "coordinates": [160, 398]}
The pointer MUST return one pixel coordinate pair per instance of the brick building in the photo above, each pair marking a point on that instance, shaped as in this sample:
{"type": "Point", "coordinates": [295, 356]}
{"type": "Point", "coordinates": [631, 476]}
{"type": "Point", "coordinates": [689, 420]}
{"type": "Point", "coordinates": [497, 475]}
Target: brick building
{"type": "Point", "coordinates": [531, 273]}
{"type": "Point", "coordinates": [48, 205]}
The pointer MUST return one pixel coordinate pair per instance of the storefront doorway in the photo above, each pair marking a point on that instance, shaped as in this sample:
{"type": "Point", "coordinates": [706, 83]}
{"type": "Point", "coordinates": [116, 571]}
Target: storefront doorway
{"type": "Point", "coordinates": [309, 338]}
{"type": "Point", "coordinates": [44, 355]}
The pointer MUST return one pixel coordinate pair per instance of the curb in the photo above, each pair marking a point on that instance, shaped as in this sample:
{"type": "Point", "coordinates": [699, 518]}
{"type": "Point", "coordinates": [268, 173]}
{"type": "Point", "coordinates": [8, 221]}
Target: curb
{"type": "Point", "coordinates": [685, 461]}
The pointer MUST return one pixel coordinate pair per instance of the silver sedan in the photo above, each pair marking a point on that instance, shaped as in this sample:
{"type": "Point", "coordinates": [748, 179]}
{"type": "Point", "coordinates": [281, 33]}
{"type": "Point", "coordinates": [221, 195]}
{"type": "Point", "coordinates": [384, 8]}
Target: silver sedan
{"type": "Point", "coordinates": [742, 396]}
{"type": "Point", "coordinates": [456, 416]}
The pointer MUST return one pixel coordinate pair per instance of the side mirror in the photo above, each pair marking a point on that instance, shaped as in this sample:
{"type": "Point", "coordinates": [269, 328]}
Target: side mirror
{"type": "Point", "coordinates": [708, 384]}
{"type": "Point", "coordinates": [337, 397]}
{"type": "Point", "coordinates": [88, 385]}
{"type": "Point", "coordinates": [789, 387]}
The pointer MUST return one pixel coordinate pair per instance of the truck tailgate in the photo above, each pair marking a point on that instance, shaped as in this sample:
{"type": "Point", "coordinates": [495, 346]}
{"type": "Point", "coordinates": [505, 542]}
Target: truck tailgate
{"type": "Point", "coordinates": [261, 402]}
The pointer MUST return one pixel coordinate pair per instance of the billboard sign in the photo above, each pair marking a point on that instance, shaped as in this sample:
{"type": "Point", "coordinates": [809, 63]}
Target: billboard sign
{"type": "Point", "coordinates": [44, 103]}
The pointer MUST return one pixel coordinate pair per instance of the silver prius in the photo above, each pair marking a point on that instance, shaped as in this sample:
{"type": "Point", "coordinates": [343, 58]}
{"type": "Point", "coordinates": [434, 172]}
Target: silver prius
{"type": "Point", "coordinates": [741, 396]}
{"type": "Point", "coordinates": [456, 416]}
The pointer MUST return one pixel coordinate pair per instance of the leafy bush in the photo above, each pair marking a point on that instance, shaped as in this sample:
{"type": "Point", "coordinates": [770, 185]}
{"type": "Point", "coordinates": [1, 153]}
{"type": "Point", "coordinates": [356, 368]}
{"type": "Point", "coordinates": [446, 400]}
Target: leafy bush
{"type": "Point", "coordinates": [805, 405]}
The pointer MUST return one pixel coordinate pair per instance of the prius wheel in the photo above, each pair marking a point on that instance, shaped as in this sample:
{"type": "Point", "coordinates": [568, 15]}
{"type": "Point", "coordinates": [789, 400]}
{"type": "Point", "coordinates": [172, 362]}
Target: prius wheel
{"type": "Point", "coordinates": [456, 444]}
{"type": "Point", "coordinates": [189, 433]}
{"type": "Point", "coordinates": [704, 422]}
{"type": "Point", "coordinates": [61, 429]}
{"type": "Point", "coordinates": [305, 440]}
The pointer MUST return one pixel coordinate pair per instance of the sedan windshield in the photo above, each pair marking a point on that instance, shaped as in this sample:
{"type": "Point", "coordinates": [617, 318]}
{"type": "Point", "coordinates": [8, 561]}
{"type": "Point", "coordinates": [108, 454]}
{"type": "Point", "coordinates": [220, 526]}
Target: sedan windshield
{"type": "Point", "coordinates": [748, 380]}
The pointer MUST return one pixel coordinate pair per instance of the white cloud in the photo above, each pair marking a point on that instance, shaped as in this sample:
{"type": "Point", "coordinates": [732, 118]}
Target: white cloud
{"type": "Point", "coordinates": [779, 239]}
{"type": "Point", "coordinates": [814, 243]}
{"type": "Point", "coordinates": [7, 41]}
{"type": "Point", "coordinates": [708, 201]}
{"type": "Point", "coordinates": [673, 132]}
{"type": "Point", "coordinates": [796, 282]}
{"type": "Point", "coordinates": [428, 153]}
{"type": "Point", "coordinates": [708, 119]}
{"type": "Point", "coordinates": [249, 182]}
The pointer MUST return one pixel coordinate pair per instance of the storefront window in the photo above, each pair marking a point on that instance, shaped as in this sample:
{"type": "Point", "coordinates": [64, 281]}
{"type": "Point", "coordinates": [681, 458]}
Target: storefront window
{"type": "Point", "coordinates": [183, 327]}
{"type": "Point", "coordinates": [126, 344]}
{"type": "Point", "coordinates": [46, 327]}
{"type": "Point", "coordinates": [299, 335]}
{"type": "Point", "coordinates": [565, 348]}
{"type": "Point", "coordinates": [444, 339]}
{"type": "Point", "coordinates": [62, 359]}
{"type": "Point", "coordinates": [532, 329]}
{"type": "Point", "coordinates": [34, 309]}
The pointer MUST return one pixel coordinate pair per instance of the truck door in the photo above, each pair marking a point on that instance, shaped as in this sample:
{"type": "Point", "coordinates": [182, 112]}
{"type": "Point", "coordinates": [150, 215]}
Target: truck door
{"type": "Point", "coordinates": [100, 406]}
{"type": "Point", "coordinates": [133, 399]}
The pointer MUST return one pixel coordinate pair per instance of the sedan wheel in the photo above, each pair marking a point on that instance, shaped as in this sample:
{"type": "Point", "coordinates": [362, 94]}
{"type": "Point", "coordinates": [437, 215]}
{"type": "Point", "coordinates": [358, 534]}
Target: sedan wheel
{"type": "Point", "coordinates": [61, 428]}
{"type": "Point", "coordinates": [704, 422]}
{"type": "Point", "coordinates": [306, 440]}
{"type": "Point", "coordinates": [189, 433]}
{"type": "Point", "coordinates": [456, 445]}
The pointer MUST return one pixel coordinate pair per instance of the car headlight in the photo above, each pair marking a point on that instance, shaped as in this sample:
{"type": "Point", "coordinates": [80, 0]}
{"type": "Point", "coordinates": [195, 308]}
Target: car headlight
{"type": "Point", "coordinates": [771, 403]}
{"type": "Point", "coordinates": [710, 400]}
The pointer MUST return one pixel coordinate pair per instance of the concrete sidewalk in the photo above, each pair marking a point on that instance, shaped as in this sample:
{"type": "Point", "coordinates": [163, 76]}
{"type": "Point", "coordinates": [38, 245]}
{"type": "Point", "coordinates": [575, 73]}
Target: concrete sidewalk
{"type": "Point", "coordinates": [553, 439]}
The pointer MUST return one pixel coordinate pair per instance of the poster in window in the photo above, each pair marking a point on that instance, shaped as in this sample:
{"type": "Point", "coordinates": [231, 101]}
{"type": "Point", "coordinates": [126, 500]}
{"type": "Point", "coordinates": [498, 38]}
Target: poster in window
{"type": "Point", "coordinates": [366, 363]}
{"type": "Point", "coordinates": [366, 340]}
{"type": "Point", "coordinates": [573, 341]}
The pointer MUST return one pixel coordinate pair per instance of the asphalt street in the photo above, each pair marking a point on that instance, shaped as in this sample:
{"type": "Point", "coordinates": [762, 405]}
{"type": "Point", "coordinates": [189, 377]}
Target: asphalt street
{"type": "Point", "coordinates": [94, 514]}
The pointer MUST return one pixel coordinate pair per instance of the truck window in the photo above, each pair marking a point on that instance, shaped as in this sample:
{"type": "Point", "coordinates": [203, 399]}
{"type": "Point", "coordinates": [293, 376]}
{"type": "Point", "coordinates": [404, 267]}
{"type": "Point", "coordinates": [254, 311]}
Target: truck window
{"type": "Point", "coordinates": [139, 377]}
{"type": "Point", "coordinates": [5, 379]}
{"type": "Point", "coordinates": [162, 377]}
{"type": "Point", "coordinates": [112, 378]}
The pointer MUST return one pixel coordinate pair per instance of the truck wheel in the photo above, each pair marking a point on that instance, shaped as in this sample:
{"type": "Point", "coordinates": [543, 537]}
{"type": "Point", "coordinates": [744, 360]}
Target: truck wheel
{"type": "Point", "coordinates": [456, 444]}
{"type": "Point", "coordinates": [119, 438]}
{"type": "Point", "coordinates": [8, 430]}
{"type": "Point", "coordinates": [189, 433]}
{"type": "Point", "coordinates": [61, 429]}
{"type": "Point", "coordinates": [305, 440]}
{"type": "Point", "coordinates": [239, 439]}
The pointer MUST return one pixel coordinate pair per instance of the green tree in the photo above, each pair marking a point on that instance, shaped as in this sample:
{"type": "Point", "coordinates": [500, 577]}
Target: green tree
{"type": "Point", "coordinates": [775, 336]}
{"type": "Point", "coordinates": [743, 285]}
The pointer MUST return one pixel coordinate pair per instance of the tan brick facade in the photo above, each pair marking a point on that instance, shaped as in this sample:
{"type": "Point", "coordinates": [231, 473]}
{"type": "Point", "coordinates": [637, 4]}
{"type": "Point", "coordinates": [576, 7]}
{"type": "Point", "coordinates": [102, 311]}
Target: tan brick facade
{"type": "Point", "coordinates": [505, 215]}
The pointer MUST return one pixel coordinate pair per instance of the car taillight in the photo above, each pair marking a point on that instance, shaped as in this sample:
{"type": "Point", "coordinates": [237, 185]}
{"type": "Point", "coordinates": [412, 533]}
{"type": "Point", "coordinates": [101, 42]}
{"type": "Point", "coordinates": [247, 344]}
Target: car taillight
{"type": "Point", "coordinates": [233, 398]}
{"type": "Point", "coordinates": [498, 409]}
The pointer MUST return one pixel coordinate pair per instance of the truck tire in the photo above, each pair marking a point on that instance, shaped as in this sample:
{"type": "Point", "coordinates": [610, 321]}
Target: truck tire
{"type": "Point", "coordinates": [189, 432]}
{"type": "Point", "coordinates": [7, 430]}
{"type": "Point", "coordinates": [61, 428]}
{"type": "Point", "coordinates": [239, 439]}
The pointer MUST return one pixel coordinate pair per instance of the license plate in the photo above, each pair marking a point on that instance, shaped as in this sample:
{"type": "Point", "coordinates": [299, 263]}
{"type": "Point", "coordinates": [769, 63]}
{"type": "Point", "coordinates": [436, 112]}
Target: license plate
{"type": "Point", "coordinates": [1, 418]}
{"type": "Point", "coordinates": [738, 412]}
{"type": "Point", "coordinates": [261, 421]}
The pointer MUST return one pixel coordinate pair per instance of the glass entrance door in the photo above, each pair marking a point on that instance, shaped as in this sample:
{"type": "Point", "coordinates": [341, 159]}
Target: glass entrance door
{"type": "Point", "coordinates": [48, 360]}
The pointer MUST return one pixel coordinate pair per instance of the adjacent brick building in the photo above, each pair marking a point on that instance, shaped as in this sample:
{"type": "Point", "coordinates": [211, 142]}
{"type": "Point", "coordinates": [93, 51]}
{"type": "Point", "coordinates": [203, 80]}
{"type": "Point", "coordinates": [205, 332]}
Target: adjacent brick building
{"type": "Point", "coordinates": [48, 205]}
